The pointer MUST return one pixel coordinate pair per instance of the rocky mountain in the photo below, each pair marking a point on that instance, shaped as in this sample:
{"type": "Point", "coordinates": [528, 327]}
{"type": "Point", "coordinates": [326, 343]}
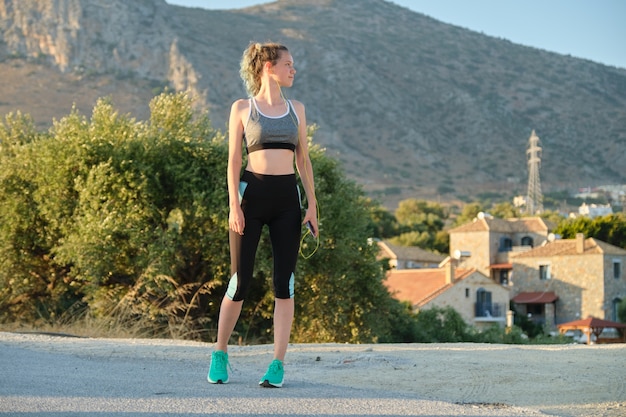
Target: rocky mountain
{"type": "Point", "coordinates": [413, 107]}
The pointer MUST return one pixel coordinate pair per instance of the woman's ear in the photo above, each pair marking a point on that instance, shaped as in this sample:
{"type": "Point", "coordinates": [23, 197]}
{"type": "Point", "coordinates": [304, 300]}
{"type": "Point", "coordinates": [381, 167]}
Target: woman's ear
{"type": "Point", "coordinates": [268, 67]}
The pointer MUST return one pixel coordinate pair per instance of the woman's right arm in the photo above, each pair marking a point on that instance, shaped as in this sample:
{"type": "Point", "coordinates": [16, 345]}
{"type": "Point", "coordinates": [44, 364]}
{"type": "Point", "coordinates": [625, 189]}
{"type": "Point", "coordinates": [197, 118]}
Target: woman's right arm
{"type": "Point", "coordinates": [236, 220]}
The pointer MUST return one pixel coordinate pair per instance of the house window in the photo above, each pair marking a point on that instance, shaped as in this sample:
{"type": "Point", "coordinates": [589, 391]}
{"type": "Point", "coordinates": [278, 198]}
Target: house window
{"type": "Point", "coordinates": [467, 293]}
{"type": "Point", "coordinates": [506, 244]}
{"type": "Point", "coordinates": [617, 269]}
{"type": "Point", "coordinates": [535, 309]}
{"type": "Point", "coordinates": [527, 241]}
{"type": "Point", "coordinates": [504, 276]}
{"type": "Point", "coordinates": [483, 303]}
{"type": "Point", "coordinates": [544, 272]}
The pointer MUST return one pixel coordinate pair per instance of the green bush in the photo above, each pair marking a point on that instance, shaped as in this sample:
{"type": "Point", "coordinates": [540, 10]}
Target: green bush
{"type": "Point", "coordinates": [440, 325]}
{"type": "Point", "coordinates": [125, 223]}
{"type": "Point", "coordinates": [121, 216]}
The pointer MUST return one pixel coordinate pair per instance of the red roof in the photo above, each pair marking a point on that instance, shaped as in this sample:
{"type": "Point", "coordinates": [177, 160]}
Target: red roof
{"type": "Point", "coordinates": [541, 297]}
{"type": "Point", "coordinates": [419, 286]}
{"type": "Point", "coordinates": [501, 266]}
{"type": "Point", "coordinates": [592, 323]}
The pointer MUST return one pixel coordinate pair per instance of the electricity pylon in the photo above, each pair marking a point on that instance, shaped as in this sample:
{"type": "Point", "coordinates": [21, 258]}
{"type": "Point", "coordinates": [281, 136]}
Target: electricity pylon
{"type": "Point", "coordinates": [534, 198]}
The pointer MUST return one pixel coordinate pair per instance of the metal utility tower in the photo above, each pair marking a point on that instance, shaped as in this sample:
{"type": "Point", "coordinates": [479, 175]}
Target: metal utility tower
{"type": "Point", "coordinates": [534, 198]}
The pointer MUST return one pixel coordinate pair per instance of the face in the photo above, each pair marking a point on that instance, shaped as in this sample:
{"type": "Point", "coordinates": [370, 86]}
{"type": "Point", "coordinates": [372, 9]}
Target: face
{"type": "Point", "coordinates": [283, 72]}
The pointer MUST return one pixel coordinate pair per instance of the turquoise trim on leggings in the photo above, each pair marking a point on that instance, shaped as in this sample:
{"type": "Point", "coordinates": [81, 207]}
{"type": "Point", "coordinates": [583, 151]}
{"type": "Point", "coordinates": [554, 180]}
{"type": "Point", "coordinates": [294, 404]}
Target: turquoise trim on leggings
{"type": "Point", "coordinates": [242, 189]}
{"type": "Point", "coordinates": [232, 287]}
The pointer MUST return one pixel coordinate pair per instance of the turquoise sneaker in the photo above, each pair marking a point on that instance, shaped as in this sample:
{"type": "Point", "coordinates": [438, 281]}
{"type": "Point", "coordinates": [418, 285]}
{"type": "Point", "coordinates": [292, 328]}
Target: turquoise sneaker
{"type": "Point", "coordinates": [218, 372]}
{"type": "Point", "coordinates": [274, 377]}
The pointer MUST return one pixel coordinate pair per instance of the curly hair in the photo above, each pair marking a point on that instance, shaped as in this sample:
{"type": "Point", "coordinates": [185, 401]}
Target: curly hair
{"type": "Point", "coordinates": [251, 66]}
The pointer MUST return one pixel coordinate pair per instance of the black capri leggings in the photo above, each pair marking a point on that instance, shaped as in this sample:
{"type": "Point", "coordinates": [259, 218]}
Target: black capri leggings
{"type": "Point", "coordinates": [272, 200]}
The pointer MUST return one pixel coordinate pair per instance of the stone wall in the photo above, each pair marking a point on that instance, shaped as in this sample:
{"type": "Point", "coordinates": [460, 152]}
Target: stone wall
{"type": "Point", "coordinates": [462, 297]}
{"type": "Point", "coordinates": [584, 283]}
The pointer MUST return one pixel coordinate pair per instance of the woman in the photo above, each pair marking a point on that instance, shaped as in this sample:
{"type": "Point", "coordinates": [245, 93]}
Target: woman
{"type": "Point", "coordinates": [274, 132]}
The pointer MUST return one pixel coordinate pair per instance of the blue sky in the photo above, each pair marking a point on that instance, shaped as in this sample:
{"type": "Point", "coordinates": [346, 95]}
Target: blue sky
{"type": "Point", "coordinates": [589, 29]}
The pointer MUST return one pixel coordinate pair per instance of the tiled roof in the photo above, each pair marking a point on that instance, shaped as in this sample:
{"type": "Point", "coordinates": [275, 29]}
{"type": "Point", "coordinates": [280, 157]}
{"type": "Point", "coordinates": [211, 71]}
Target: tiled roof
{"type": "Point", "coordinates": [568, 247]}
{"type": "Point", "coordinates": [537, 297]}
{"type": "Point", "coordinates": [478, 225]}
{"type": "Point", "coordinates": [409, 253]}
{"type": "Point", "coordinates": [418, 286]}
{"type": "Point", "coordinates": [537, 224]}
{"type": "Point", "coordinates": [592, 323]}
{"type": "Point", "coordinates": [609, 249]}
{"type": "Point", "coordinates": [524, 224]}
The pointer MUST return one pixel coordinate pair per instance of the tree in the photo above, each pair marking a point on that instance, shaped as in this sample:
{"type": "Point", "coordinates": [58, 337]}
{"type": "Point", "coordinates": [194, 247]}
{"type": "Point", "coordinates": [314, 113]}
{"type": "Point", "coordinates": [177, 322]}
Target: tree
{"type": "Point", "coordinates": [125, 215]}
{"type": "Point", "coordinates": [505, 210]}
{"type": "Point", "coordinates": [128, 221]}
{"type": "Point", "coordinates": [610, 228]}
{"type": "Point", "coordinates": [469, 213]}
{"type": "Point", "coordinates": [383, 224]}
{"type": "Point", "coordinates": [441, 324]}
{"type": "Point", "coordinates": [421, 214]}
{"type": "Point", "coordinates": [29, 277]}
{"type": "Point", "coordinates": [421, 224]}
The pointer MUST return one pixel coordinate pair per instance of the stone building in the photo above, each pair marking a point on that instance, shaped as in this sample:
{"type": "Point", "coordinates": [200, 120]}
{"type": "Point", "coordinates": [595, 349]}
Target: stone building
{"type": "Point", "coordinates": [552, 280]}
{"type": "Point", "coordinates": [569, 279]}
{"type": "Point", "coordinates": [408, 257]}
{"type": "Point", "coordinates": [479, 300]}
{"type": "Point", "coordinates": [496, 261]}
{"type": "Point", "coordinates": [489, 242]}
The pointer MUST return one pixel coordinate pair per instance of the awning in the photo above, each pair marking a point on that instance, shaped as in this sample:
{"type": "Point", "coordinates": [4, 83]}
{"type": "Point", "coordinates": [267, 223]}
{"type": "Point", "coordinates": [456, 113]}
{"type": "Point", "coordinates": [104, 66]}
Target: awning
{"type": "Point", "coordinates": [593, 325]}
{"type": "Point", "coordinates": [501, 266]}
{"type": "Point", "coordinates": [543, 297]}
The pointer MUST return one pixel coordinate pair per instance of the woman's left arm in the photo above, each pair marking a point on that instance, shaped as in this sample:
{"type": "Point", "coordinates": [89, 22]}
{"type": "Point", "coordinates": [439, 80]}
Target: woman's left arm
{"type": "Point", "coordinates": [305, 170]}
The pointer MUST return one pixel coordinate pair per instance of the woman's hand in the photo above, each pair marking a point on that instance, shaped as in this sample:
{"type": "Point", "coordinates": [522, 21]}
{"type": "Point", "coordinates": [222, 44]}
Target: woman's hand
{"type": "Point", "coordinates": [236, 220]}
{"type": "Point", "coordinates": [311, 217]}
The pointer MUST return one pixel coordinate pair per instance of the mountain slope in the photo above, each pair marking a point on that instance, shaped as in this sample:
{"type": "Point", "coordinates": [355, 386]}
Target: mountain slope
{"type": "Point", "coordinates": [413, 107]}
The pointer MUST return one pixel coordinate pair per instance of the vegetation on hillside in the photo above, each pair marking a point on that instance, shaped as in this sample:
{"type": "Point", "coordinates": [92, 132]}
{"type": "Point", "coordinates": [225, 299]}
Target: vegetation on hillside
{"type": "Point", "coordinates": [123, 223]}
{"type": "Point", "coordinates": [106, 217]}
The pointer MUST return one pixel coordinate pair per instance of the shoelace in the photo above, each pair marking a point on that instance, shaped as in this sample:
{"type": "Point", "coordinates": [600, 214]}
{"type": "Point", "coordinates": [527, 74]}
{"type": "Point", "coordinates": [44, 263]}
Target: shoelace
{"type": "Point", "coordinates": [222, 361]}
{"type": "Point", "coordinates": [275, 367]}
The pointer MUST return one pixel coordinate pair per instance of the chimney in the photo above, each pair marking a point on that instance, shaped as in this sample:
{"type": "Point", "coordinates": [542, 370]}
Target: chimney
{"type": "Point", "coordinates": [580, 242]}
{"type": "Point", "coordinates": [450, 267]}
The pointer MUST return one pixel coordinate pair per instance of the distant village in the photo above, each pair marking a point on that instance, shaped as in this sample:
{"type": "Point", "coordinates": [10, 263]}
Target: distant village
{"type": "Point", "coordinates": [532, 202]}
{"type": "Point", "coordinates": [615, 194]}
{"type": "Point", "coordinates": [499, 268]}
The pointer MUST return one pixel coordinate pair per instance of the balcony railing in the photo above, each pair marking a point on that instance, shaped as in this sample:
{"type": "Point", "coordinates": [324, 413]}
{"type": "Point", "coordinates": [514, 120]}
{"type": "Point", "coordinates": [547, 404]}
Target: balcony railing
{"type": "Point", "coordinates": [487, 310]}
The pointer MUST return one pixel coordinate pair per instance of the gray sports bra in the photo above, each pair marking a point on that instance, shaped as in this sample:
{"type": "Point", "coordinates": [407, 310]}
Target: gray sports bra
{"type": "Point", "coordinates": [266, 132]}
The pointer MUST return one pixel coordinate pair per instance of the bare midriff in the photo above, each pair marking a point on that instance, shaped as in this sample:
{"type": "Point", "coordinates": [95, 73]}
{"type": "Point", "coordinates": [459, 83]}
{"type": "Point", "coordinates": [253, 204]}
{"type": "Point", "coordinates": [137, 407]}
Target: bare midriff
{"type": "Point", "coordinates": [271, 162]}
